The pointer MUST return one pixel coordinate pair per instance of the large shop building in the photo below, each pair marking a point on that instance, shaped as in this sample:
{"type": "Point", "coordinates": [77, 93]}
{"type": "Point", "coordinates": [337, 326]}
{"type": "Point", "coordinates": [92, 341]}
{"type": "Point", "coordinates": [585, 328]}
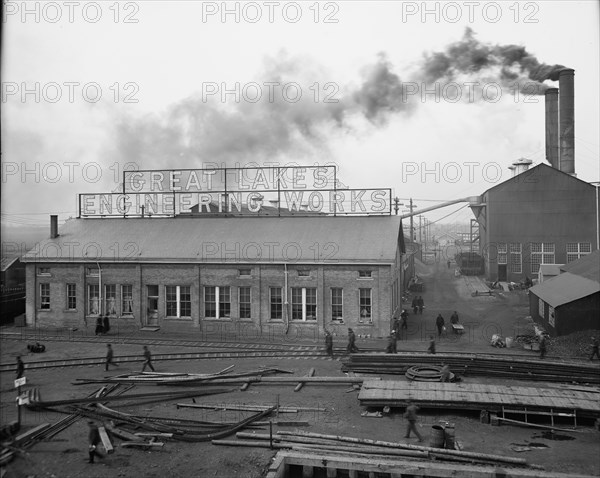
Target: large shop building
{"type": "Point", "coordinates": [196, 274]}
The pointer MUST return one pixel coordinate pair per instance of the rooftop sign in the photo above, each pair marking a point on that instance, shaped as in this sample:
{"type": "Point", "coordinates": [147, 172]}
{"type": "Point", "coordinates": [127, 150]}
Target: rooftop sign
{"type": "Point", "coordinates": [290, 190]}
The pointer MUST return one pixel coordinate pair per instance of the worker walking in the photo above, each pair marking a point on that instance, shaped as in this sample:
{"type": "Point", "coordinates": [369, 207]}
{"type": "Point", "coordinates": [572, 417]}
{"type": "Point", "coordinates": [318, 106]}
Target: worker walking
{"type": "Point", "coordinates": [21, 367]}
{"type": "Point", "coordinates": [595, 348]}
{"type": "Point", "coordinates": [148, 359]}
{"type": "Point", "coordinates": [329, 343]}
{"type": "Point", "coordinates": [439, 323]}
{"type": "Point", "coordinates": [109, 357]}
{"type": "Point", "coordinates": [392, 347]}
{"type": "Point", "coordinates": [543, 346]}
{"type": "Point", "coordinates": [421, 304]}
{"type": "Point", "coordinates": [93, 440]}
{"type": "Point", "coordinates": [411, 416]}
{"type": "Point", "coordinates": [431, 348]}
{"type": "Point", "coordinates": [454, 321]}
{"type": "Point", "coordinates": [351, 348]}
{"type": "Point", "coordinates": [445, 373]}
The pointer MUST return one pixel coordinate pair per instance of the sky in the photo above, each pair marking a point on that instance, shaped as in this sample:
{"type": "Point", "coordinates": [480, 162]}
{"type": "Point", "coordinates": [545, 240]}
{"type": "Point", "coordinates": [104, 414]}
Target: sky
{"type": "Point", "coordinates": [431, 99]}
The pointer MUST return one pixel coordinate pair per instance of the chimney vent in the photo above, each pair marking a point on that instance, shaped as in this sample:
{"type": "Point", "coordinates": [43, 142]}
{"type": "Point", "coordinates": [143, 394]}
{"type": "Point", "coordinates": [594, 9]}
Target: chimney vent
{"type": "Point", "coordinates": [520, 166]}
{"type": "Point", "coordinates": [53, 227]}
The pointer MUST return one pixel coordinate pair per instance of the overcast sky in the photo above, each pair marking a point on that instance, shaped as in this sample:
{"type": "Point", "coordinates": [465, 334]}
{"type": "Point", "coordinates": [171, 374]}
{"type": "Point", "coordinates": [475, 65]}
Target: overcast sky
{"type": "Point", "coordinates": [91, 88]}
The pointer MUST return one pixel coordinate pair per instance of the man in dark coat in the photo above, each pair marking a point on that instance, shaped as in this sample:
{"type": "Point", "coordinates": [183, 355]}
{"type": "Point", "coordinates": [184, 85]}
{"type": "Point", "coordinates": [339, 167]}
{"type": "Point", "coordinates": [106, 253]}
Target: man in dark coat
{"type": "Point", "coordinates": [99, 326]}
{"type": "Point", "coordinates": [392, 347]}
{"type": "Point", "coordinates": [109, 357]}
{"type": "Point", "coordinates": [543, 346]}
{"type": "Point", "coordinates": [93, 440]}
{"type": "Point", "coordinates": [420, 304]}
{"type": "Point", "coordinates": [439, 323]}
{"type": "Point", "coordinates": [595, 348]}
{"type": "Point", "coordinates": [329, 343]}
{"type": "Point", "coordinates": [21, 367]}
{"type": "Point", "coordinates": [106, 324]}
{"type": "Point", "coordinates": [351, 348]}
{"type": "Point", "coordinates": [147, 359]}
{"type": "Point", "coordinates": [411, 417]}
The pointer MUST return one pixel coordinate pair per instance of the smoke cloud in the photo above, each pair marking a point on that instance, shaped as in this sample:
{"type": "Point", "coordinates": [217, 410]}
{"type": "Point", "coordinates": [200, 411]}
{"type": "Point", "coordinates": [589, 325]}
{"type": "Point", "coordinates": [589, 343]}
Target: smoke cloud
{"type": "Point", "coordinates": [233, 132]}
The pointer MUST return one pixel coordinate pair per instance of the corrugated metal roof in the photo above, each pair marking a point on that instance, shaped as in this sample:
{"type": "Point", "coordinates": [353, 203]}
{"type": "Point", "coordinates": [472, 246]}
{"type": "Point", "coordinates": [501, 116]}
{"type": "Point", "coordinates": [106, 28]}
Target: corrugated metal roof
{"type": "Point", "coordinates": [565, 288]}
{"type": "Point", "coordinates": [588, 266]}
{"type": "Point", "coordinates": [366, 239]}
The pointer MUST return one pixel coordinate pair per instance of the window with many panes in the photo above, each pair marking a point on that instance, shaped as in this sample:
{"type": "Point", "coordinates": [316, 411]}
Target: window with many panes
{"type": "Point", "coordinates": [44, 271]}
{"type": "Point", "coordinates": [93, 299]}
{"type": "Point", "coordinates": [217, 302]}
{"type": "Point", "coordinates": [516, 258]}
{"type": "Point", "coordinates": [576, 250]}
{"type": "Point", "coordinates": [244, 301]}
{"type": "Point", "coordinates": [304, 303]}
{"type": "Point", "coordinates": [178, 301]}
{"type": "Point", "coordinates": [364, 305]}
{"type": "Point", "coordinates": [541, 253]}
{"type": "Point", "coordinates": [45, 296]}
{"type": "Point", "coordinates": [71, 296]}
{"type": "Point", "coordinates": [502, 253]}
{"type": "Point", "coordinates": [127, 299]}
{"type": "Point", "coordinates": [276, 302]}
{"type": "Point", "coordinates": [337, 303]}
{"type": "Point", "coordinates": [364, 274]}
{"type": "Point", "coordinates": [110, 299]}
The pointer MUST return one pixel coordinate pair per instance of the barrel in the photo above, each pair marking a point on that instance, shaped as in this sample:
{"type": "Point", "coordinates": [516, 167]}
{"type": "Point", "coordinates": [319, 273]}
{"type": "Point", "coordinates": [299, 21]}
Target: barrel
{"type": "Point", "coordinates": [436, 440]}
{"type": "Point", "coordinates": [449, 436]}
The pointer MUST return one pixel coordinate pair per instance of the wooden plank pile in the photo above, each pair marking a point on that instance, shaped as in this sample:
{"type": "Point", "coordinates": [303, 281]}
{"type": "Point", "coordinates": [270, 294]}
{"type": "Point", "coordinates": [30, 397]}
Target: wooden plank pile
{"type": "Point", "coordinates": [323, 443]}
{"type": "Point", "coordinates": [395, 393]}
{"type": "Point", "coordinates": [477, 365]}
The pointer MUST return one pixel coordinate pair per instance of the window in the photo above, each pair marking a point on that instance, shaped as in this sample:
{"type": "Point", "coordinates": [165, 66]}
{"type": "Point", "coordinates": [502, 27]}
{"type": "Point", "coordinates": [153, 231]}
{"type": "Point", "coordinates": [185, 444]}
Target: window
{"type": "Point", "coordinates": [364, 305]}
{"type": "Point", "coordinates": [245, 272]}
{"type": "Point", "coordinates": [337, 303]}
{"type": "Point", "coordinates": [217, 302]}
{"type": "Point", "coordinates": [303, 273]}
{"type": "Point", "coordinates": [92, 271]}
{"type": "Point", "coordinates": [71, 296]}
{"type": "Point", "coordinates": [44, 271]}
{"type": "Point", "coordinates": [110, 299]}
{"type": "Point", "coordinates": [502, 253]}
{"type": "Point", "coordinates": [93, 299]}
{"type": "Point", "coordinates": [244, 302]}
{"type": "Point", "coordinates": [276, 300]}
{"type": "Point", "coordinates": [304, 303]}
{"type": "Point", "coordinates": [127, 299]}
{"type": "Point", "coordinates": [178, 301]}
{"type": "Point", "coordinates": [515, 258]}
{"type": "Point", "coordinates": [576, 250]}
{"type": "Point", "coordinates": [45, 296]}
{"type": "Point", "coordinates": [364, 274]}
{"type": "Point", "coordinates": [541, 253]}
{"type": "Point", "coordinates": [541, 308]}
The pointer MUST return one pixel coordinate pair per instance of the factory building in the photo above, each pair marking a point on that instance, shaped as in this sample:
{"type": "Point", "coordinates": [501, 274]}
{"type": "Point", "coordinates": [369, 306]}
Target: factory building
{"type": "Point", "coordinates": [544, 214]}
{"type": "Point", "coordinates": [198, 273]}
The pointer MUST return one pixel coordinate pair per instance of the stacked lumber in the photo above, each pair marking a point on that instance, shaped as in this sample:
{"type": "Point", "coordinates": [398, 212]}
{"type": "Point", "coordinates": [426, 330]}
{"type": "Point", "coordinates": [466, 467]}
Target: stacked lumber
{"type": "Point", "coordinates": [477, 365]}
{"type": "Point", "coordinates": [309, 441]}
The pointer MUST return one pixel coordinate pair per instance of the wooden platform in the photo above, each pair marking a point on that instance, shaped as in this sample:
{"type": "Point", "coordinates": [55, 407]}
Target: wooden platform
{"type": "Point", "coordinates": [462, 396]}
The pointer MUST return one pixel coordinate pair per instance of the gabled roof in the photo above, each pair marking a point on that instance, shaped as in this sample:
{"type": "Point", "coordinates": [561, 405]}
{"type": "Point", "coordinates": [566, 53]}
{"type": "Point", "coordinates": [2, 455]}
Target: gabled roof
{"type": "Point", "coordinates": [548, 270]}
{"type": "Point", "coordinates": [532, 175]}
{"type": "Point", "coordinates": [588, 266]}
{"type": "Point", "coordinates": [565, 288]}
{"type": "Point", "coordinates": [316, 239]}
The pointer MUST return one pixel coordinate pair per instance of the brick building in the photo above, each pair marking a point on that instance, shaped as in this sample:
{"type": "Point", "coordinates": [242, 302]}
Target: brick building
{"type": "Point", "coordinates": [262, 274]}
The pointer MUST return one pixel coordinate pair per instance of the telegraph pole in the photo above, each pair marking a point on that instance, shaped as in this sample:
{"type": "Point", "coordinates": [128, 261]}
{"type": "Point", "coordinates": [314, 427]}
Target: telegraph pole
{"type": "Point", "coordinates": [420, 229]}
{"type": "Point", "coordinates": [411, 222]}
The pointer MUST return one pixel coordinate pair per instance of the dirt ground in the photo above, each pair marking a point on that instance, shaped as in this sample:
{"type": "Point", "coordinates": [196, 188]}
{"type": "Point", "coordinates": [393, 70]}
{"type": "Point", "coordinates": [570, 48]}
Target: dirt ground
{"type": "Point", "coordinates": [66, 454]}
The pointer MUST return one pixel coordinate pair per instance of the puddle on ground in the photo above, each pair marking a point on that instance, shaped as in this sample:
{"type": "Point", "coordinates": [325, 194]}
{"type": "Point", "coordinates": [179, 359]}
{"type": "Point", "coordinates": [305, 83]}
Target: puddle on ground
{"type": "Point", "coordinates": [549, 435]}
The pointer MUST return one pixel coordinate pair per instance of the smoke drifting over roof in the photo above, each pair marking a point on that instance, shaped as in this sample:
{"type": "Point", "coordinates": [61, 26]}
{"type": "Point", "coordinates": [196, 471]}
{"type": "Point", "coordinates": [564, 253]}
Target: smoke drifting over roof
{"type": "Point", "coordinates": [234, 130]}
{"type": "Point", "coordinates": [511, 65]}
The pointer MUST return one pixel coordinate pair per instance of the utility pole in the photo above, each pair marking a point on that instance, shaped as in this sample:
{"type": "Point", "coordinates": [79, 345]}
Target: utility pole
{"type": "Point", "coordinates": [397, 204]}
{"type": "Point", "coordinates": [412, 237]}
{"type": "Point", "coordinates": [420, 229]}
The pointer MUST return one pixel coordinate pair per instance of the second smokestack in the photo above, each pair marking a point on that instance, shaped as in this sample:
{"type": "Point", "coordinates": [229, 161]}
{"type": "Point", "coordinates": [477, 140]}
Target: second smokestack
{"type": "Point", "coordinates": [552, 152]}
{"type": "Point", "coordinates": [566, 99]}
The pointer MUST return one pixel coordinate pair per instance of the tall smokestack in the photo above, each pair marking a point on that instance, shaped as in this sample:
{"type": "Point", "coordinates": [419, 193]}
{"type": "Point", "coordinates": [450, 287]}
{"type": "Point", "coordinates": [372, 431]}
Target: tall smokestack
{"type": "Point", "coordinates": [53, 227]}
{"type": "Point", "coordinates": [552, 126]}
{"type": "Point", "coordinates": [566, 92]}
